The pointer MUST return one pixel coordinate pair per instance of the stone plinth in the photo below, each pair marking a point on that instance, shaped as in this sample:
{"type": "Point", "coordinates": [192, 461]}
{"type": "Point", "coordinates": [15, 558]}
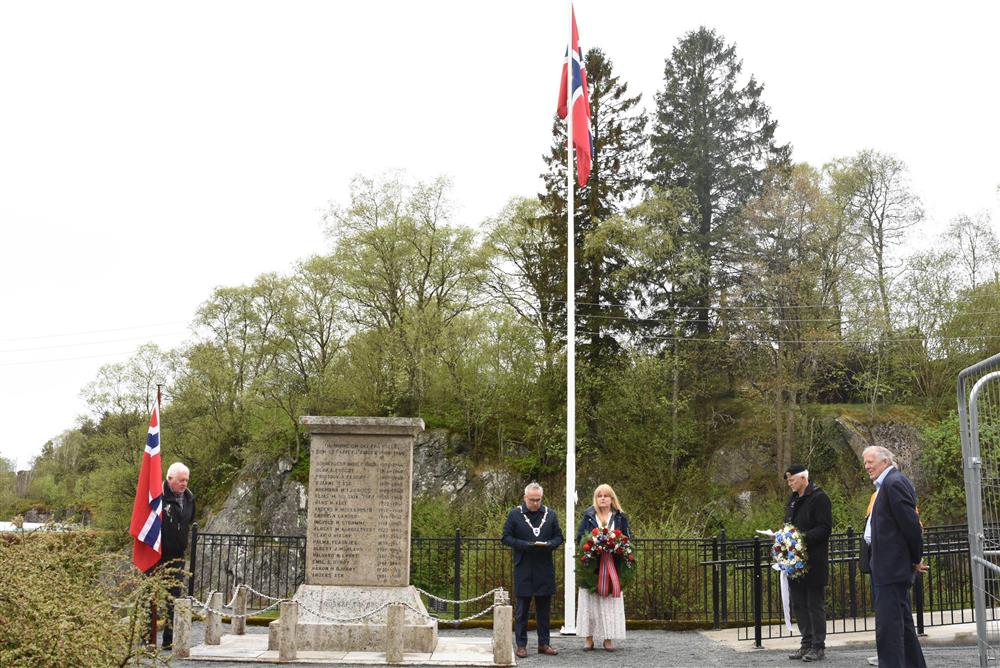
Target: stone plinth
{"type": "Point", "coordinates": [317, 632]}
{"type": "Point", "coordinates": [358, 536]}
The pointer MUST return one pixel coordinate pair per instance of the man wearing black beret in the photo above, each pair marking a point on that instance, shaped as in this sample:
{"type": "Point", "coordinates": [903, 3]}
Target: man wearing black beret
{"type": "Point", "coordinates": [808, 510]}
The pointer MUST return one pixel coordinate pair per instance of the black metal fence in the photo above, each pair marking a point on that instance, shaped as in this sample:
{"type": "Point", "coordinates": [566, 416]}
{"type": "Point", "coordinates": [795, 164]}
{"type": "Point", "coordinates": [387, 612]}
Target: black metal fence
{"type": "Point", "coordinates": [699, 582]}
{"type": "Point", "coordinates": [272, 565]}
{"type": "Point", "coordinates": [942, 596]}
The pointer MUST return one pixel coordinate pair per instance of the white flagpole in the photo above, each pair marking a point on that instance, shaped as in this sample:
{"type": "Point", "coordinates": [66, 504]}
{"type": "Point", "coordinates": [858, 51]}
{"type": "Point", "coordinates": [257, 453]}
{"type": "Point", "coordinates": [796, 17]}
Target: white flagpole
{"type": "Point", "coordinates": [569, 563]}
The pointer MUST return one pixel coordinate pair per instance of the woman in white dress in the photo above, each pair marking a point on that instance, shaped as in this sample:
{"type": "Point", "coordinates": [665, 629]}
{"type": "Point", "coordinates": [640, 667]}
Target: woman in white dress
{"type": "Point", "coordinates": [601, 618]}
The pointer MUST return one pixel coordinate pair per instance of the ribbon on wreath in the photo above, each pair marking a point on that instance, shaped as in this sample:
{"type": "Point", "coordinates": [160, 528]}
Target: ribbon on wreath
{"type": "Point", "coordinates": [607, 577]}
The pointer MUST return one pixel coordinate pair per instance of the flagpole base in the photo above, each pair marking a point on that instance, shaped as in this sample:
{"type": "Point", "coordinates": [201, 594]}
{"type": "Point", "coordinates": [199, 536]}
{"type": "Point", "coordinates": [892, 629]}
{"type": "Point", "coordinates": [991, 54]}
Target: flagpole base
{"type": "Point", "coordinates": [568, 630]}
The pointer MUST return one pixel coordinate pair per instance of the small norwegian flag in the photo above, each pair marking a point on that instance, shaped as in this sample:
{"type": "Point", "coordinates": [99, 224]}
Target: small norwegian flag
{"type": "Point", "coordinates": [147, 511]}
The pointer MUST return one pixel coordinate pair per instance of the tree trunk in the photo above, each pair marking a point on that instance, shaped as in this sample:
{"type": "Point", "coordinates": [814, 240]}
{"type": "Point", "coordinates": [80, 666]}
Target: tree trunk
{"type": "Point", "coordinates": [779, 430]}
{"type": "Point", "coordinates": [675, 392]}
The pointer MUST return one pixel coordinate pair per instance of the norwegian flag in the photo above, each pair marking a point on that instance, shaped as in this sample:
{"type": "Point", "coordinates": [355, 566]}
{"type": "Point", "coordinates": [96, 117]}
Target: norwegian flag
{"type": "Point", "coordinates": [583, 141]}
{"type": "Point", "coordinates": [147, 511]}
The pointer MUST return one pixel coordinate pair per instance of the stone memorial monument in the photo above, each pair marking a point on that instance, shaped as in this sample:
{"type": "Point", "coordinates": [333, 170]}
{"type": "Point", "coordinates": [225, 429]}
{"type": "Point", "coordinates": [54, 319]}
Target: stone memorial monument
{"type": "Point", "coordinates": [358, 536]}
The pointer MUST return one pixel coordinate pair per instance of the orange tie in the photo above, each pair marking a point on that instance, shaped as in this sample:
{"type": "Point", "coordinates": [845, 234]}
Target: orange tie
{"type": "Point", "coordinates": [871, 502]}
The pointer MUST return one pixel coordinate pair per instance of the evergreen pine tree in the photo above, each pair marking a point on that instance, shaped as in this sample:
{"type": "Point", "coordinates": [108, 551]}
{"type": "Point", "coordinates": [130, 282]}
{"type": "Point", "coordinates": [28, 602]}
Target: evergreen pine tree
{"type": "Point", "coordinates": [714, 137]}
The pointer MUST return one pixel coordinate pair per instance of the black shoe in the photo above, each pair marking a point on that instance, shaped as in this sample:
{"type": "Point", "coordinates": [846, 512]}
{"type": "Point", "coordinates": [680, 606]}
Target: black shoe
{"type": "Point", "coordinates": [815, 654]}
{"type": "Point", "coordinates": [799, 653]}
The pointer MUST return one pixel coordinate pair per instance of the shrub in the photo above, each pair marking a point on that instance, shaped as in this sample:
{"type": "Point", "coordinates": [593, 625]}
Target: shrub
{"type": "Point", "coordinates": [70, 601]}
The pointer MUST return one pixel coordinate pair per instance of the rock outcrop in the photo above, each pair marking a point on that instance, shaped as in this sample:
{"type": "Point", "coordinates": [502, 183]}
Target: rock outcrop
{"type": "Point", "coordinates": [266, 499]}
{"type": "Point", "coordinates": [903, 440]}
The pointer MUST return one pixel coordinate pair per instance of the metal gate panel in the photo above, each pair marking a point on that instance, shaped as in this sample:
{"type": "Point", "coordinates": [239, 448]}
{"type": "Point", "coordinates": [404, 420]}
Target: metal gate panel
{"type": "Point", "coordinates": [979, 420]}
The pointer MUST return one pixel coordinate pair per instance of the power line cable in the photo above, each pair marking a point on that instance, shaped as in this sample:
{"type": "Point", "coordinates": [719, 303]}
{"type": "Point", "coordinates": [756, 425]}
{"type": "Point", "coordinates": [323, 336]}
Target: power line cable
{"type": "Point", "coordinates": [93, 331]}
{"type": "Point", "coordinates": [87, 343]}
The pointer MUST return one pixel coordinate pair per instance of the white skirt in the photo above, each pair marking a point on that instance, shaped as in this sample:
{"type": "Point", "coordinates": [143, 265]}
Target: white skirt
{"type": "Point", "coordinates": [602, 617]}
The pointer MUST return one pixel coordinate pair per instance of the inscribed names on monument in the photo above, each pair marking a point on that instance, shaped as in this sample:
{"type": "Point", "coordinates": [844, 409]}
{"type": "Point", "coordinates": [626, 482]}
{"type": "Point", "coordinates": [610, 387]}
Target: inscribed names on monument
{"type": "Point", "coordinates": [359, 510]}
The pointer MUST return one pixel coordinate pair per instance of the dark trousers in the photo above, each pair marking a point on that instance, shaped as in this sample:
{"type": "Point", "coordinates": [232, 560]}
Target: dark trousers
{"type": "Point", "coordinates": [810, 613]}
{"type": "Point", "coordinates": [895, 635]}
{"type": "Point", "coordinates": [521, 610]}
{"type": "Point", "coordinates": [175, 590]}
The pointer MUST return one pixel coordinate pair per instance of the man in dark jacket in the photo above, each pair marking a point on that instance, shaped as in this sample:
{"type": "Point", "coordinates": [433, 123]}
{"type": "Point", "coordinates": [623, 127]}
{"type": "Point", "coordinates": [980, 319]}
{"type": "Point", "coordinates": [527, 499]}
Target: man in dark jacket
{"type": "Point", "coordinates": [808, 510]}
{"type": "Point", "coordinates": [532, 532]}
{"type": "Point", "coordinates": [178, 513]}
{"type": "Point", "coordinates": [897, 544]}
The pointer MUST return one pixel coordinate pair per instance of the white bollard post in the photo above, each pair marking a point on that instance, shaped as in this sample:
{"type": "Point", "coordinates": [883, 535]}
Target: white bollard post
{"type": "Point", "coordinates": [287, 644]}
{"type": "Point", "coordinates": [182, 627]}
{"type": "Point", "coordinates": [239, 619]}
{"type": "Point", "coordinates": [503, 617]}
{"type": "Point", "coordinates": [213, 619]}
{"type": "Point", "coordinates": [394, 632]}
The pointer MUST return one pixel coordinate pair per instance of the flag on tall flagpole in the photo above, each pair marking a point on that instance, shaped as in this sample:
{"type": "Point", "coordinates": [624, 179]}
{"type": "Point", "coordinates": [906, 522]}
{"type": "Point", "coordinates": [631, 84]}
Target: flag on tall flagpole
{"type": "Point", "coordinates": [147, 511]}
{"type": "Point", "coordinates": [583, 141]}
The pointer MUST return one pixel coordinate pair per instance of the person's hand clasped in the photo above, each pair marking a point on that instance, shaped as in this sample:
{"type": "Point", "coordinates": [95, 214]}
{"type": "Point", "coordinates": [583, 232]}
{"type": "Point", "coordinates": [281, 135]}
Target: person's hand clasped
{"type": "Point", "coordinates": [921, 567]}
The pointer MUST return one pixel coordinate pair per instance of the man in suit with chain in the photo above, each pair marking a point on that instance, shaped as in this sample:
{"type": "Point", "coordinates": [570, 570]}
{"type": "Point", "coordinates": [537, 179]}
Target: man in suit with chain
{"type": "Point", "coordinates": [532, 532]}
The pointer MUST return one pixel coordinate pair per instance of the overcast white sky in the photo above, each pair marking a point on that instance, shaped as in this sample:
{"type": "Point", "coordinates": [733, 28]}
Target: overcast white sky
{"type": "Point", "coordinates": [151, 152]}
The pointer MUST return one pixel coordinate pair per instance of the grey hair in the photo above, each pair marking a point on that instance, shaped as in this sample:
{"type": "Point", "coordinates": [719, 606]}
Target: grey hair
{"type": "Point", "coordinates": [176, 468]}
{"type": "Point", "coordinates": [533, 486]}
{"type": "Point", "coordinates": [881, 454]}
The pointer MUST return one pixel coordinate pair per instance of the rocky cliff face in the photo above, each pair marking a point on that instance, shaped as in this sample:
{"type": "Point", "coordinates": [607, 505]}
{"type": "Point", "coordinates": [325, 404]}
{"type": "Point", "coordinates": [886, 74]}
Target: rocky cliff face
{"type": "Point", "coordinates": [903, 440]}
{"type": "Point", "coordinates": [266, 500]}
{"type": "Point", "coordinates": [735, 466]}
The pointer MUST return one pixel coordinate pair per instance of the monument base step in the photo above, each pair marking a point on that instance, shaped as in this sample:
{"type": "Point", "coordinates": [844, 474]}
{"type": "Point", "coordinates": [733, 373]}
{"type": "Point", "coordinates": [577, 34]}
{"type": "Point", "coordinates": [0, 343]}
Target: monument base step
{"type": "Point", "coordinates": [253, 649]}
{"type": "Point", "coordinates": [323, 607]}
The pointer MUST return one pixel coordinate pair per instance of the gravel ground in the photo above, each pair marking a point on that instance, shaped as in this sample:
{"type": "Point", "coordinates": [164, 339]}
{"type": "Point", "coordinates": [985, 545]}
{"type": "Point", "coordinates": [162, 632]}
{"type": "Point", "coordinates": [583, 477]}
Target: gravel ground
{"type": "Point", "coordinates": [658, 648]}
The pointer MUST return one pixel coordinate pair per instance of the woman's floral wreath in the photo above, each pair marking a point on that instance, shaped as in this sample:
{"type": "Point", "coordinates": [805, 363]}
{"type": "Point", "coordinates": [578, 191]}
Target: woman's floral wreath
{"type": "Point", "coordinates": [596, 543]}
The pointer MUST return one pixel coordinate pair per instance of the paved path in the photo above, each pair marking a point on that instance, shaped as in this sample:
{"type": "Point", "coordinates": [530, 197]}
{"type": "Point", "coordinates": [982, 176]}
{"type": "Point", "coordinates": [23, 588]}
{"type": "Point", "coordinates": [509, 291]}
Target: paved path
{"type": "Point", "coordinates": [678, 649]}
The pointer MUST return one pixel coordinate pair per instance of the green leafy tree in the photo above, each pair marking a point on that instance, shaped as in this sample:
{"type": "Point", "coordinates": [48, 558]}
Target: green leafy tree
{"type": "Point", "coordinates": [882, 207]}
{"type": "Point", "coordinates": [407, 270]}
{"type": "Point", "coordinates": [782, 273]}
{"type": "Point", "coordinates": [526, 272]}
{"type": "Point", "coordinates": [976, 247]}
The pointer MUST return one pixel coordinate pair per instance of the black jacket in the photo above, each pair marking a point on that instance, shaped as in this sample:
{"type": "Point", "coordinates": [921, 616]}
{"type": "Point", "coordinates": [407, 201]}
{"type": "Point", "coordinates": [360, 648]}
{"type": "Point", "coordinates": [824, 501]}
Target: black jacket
{"type": "Point", "coordinates": [176, 526]}
{"type": "Point", "coordinates": [534, 570]}
{"type": "Point", "coordinates": [812, 515]}
{"type": "Point", "coordinates": [589, 522]}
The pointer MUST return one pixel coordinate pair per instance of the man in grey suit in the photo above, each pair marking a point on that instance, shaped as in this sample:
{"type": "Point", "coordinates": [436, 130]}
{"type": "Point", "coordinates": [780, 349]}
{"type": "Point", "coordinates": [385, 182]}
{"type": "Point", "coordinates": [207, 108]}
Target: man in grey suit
{"type": "Point", "coordinates": [896, 538]}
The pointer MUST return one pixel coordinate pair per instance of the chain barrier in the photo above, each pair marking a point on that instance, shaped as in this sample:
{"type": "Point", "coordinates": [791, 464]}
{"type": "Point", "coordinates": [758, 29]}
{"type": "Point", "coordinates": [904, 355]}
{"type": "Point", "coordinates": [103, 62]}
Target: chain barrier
{"type": "Point", "coordinates": [417, 611]}
{"type": "Point", "coordinates": [257, 593]}
{"type": "Point", "coordinates": [277, 601]}
{"type": "Point", "coordinates": [365, 615]}
{"type": "Point", "coordinates": [467, 600]}
{"type": "Point", "coordinates": [465, 619]}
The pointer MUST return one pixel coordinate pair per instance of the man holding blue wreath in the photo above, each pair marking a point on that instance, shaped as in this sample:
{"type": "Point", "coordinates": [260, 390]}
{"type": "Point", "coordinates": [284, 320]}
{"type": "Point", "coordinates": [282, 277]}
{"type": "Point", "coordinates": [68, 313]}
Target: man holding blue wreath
{"type": "Point", "coordinates": [808, 509]}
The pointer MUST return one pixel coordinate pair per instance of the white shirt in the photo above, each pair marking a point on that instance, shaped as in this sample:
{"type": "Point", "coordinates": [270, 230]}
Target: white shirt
{"type": "Point", "coordinates": [878, 485]}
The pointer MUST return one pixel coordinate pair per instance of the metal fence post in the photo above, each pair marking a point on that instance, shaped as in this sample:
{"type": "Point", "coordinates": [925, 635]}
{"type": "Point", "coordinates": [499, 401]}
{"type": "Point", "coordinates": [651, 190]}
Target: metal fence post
{"type": "Point", "coordinates": [918, 600]}
{"type": "Point", "coordinates": [457, 590]}
{"type": "Point", "coordinates": [852, 572]}
{"type": "Point", "coordinates": [194, 557]}
{"type": "Point", "coordinates": [715, 583]}
{"type": "Point", "coordinates": [758, 593]}
{"type": "Point", "coordinates": [724, 579]}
